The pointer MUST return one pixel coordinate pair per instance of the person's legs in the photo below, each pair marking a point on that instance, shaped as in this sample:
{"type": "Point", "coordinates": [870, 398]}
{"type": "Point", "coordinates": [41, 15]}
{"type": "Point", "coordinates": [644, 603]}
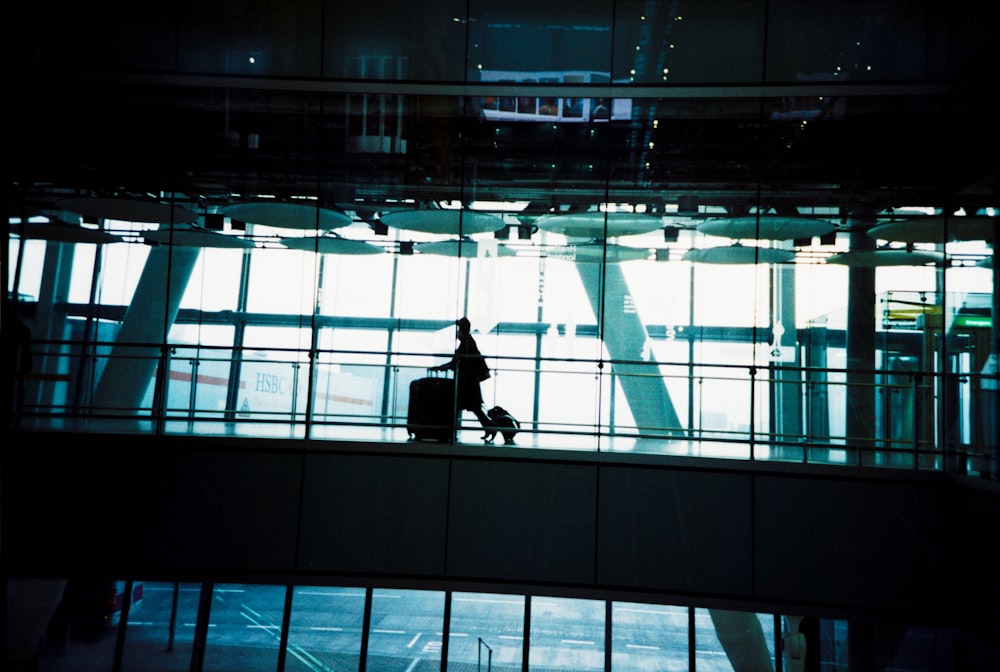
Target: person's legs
{"type": "Point", "coordinates": [484, 420]}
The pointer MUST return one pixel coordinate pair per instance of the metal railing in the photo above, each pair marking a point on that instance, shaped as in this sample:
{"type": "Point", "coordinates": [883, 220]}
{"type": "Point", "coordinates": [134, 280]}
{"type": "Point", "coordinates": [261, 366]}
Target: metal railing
{"type": "Point", "coordinates": [777, 412]}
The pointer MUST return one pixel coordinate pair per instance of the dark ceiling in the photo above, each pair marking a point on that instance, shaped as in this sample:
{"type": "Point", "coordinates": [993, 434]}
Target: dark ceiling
{"type": "Point", "coordinates": [792, 138]}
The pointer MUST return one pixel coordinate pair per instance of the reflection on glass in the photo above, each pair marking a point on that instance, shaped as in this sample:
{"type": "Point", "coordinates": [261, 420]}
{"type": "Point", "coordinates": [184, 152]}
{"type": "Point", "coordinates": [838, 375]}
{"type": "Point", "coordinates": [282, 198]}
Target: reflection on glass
{"type": "Point", "coordinates": [406, 629]}
{"type": "Point", "coordinates": [648, 637]}
{"type": "Point", "coordinates": [72, 624]}
{"type": "Point", "coordinates": [566, 634]}
{"type": "Point", "coordinates": [486, 632]}
{"type": "Point", "coordinates": [535, 134]}
{"type": "Point", "coordinates": [160, 633]}
{"type": "Point", "coordinates": [733, 640]}
{"type": "Point", "coordinates": [325, 629]}
{"type": "Point", "coordinates": [244, 628]}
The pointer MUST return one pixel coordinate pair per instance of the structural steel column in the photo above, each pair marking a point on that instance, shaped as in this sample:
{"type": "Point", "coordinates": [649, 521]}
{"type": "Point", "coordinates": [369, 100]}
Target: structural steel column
{"type": "Point", "coordinates": [134, 357]}
{"type": "Point", "coordinates": [626, 338]}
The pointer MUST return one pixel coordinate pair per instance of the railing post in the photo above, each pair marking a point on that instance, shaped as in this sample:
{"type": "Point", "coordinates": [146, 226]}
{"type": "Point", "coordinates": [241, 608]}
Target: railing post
{"type": "Point", "coordinates": [917, 417]}
{"type": "Point", "coordinates": [160, 391]}
{"type": "Point", "coordinates": [753, 400]}
{"type": "Point", "coordinates": [479, 656]}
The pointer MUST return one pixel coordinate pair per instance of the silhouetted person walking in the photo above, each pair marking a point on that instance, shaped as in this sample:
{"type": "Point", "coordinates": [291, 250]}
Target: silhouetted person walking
{"type": "Point", "coordinates": [470, 370]}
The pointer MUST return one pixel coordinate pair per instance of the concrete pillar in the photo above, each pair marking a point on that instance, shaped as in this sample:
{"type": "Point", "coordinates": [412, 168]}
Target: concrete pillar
{"type": "Point", "coordinates": [860, 421]}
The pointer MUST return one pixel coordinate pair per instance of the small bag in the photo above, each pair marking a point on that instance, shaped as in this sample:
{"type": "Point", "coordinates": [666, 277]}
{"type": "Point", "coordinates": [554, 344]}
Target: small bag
{"type": "Point", "coordinates": [480, 367]}
{"type": "Point", "coordinates": [502, 420]}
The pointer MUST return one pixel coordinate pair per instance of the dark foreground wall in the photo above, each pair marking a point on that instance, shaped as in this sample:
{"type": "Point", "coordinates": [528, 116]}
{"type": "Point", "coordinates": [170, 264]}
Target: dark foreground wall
{"type": "Point", "coordinates": [724, 533]}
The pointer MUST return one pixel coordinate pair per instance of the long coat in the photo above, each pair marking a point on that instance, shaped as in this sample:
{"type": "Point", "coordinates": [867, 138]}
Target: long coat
{"type": "Point", "coordinates": [468, 365]}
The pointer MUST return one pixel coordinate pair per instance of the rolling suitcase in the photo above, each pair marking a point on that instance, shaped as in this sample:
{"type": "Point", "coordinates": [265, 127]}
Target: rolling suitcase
{"type": "Point", "coordinates": [431, 412]}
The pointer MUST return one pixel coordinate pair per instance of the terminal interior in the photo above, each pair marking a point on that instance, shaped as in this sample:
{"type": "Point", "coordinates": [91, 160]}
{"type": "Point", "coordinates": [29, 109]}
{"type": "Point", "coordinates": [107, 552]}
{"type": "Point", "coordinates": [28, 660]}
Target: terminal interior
{"type": "Point", "coordinates": [731, 265]}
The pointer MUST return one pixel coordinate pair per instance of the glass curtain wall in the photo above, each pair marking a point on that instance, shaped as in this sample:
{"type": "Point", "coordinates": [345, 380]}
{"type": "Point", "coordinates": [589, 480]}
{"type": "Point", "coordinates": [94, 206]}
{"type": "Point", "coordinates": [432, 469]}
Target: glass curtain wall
{"type": "Point", "coordinates": [181, 626]}
{"type": "Point", "coordinates": [635, 256]}
{"type": "Point", "coordinates": [270, 627]}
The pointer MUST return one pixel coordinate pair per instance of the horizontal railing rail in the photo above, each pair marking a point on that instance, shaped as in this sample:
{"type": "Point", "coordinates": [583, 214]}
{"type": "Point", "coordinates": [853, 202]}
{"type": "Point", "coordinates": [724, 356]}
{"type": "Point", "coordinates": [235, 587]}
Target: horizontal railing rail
{"type": "Point", "coordinates": [775, 411]}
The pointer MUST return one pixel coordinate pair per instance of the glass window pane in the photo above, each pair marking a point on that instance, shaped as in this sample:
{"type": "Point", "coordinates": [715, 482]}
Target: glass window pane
{"type": "Point", "coordinates": [244, 628]}
{"type": "Point", "coordinates": [257, 38]}
{"type": "Point", "coordinates": [733, 640]}
{"type": "Point", "coordinates": [350, 384]}
{"type": "Point", "coordinates": [566, 634]}
{"type": "Point", "coordinates": [282, 281]}
{"type": "Point", "coordinates": [197, 382]}
{"type": "Point", "coordinates": [647, 637]}
{"type": "Point", "coordinates": [896, 43]}
{"type": "Point", "coordinates": [215, 282]}
{"type": "Point", "coordinates": [557, 39]}
{"type": "Point", "coordinates": [160, 633]}
{"type": "Point", "coordinates": [325, 628]}
{"type": "Point", "coordinates": [357, 285]}
{"type": "Point", "coordinates": [709, 41]}
{"type": "Point", "coordinates": [26, 276]}
{"type": "Point", "coordinates": [405, 630]}
{"type": "Point", "coordinates": [398, 39]}
{"type": "Point", "coordinates": [82, 622]}
{"type": "Point", "coordinates": [486, 632]}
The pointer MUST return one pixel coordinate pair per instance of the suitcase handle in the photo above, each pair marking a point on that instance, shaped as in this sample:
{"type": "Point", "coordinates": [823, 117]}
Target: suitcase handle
{"type": "Point", "coordinates": [437, 373]}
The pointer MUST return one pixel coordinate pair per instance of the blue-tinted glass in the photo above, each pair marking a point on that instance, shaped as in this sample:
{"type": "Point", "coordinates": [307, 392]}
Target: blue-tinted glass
{"type": "Point", "coordinates": [566, 634]}
{"type": "Point", "coordinates": [160, 632]}
{"type": "Point", "coordinates": [886, 41]}
{"type": "Point", "coordinates": [325, 628]}
{"type": "Point", "coordinates": [406, 629]}
{"type": "Point", "coordinates": [733, 640]}
{"type": "Point", "coordinates": [395, 40]}
{"type": "Point", "coordinates": [486, 632]}
{"type": "Point", "coordinates": [244, 629]}
{"type": "Point", "coordinates": [523, 41]}
{"type": "Point", "coordinates": [648, 637]}
{"type": "Point", "coordinates": [711, 41]}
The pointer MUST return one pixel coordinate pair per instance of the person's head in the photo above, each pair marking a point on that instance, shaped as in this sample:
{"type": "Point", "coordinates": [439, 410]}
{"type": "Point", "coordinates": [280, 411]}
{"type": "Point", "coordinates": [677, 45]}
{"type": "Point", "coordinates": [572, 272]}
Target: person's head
{"type": "Point", "coordinates": [463, 324]}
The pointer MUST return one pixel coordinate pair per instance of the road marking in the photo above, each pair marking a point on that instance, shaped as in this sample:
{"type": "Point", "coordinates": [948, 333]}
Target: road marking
{"type": "Point", "coordinates": [328, 593]}
{"type": "Point", "coordinates": [486, 600]}
{"type": "Point", "coordinates": [642, 646]}
{"type": "Point", "coordinates": [330, 629]}
{"type": "Point", "coordinates": [413, 665]}
{"type": "Point", "coordinates": [658, 612]}
{"type": "Point", "coordinates": [306, 658]}
{"type": "Point", "coordinates": [517, 637]}
{"type": "Point", "coordinates": [577, 641]}
{"type": "Point", "coordinates": [413, 641]}
{"type": "Point", "coordinates": [388, 632]}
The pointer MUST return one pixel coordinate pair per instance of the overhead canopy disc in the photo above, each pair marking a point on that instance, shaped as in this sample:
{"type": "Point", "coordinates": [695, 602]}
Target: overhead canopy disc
{"type": "Point", "coordinates": [128, 210]}
{"type": "Point", "coordinates": [331, 244]}
{"type": "Point", "coordinates": [935, 229]}
{"type": "Point", "coordinates": [739, 254]}
{"type": "Point", "coordinates": [445, 222]}
{"type": "Point", "coordinates": [599, 224]}
{"type": "Point", "coordinates": [766, 227]}
{"type": "Point", "coordinates": [299, 216]}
